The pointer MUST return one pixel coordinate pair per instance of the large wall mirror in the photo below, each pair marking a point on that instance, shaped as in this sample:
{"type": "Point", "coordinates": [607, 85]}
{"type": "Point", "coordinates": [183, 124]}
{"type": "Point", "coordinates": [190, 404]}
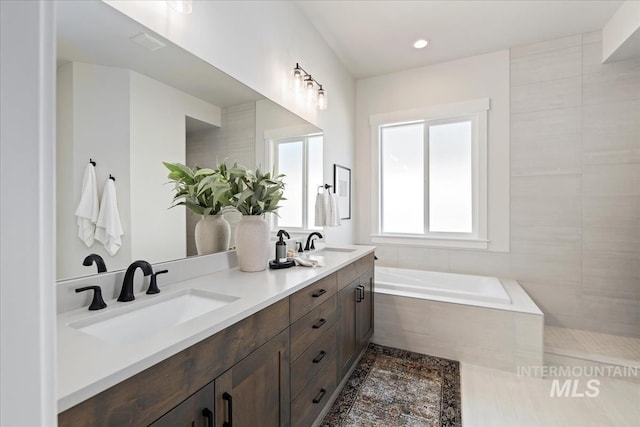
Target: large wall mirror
{"type": "Point", "coordinates": [128, 99]}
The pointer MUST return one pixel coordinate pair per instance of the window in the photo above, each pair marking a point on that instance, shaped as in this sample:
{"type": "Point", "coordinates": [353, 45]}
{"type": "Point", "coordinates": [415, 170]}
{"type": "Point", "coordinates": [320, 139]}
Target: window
{"type": "Point", "coordinates": [431, 176]}
{"type": "Point", "coordinates": [300, 159]}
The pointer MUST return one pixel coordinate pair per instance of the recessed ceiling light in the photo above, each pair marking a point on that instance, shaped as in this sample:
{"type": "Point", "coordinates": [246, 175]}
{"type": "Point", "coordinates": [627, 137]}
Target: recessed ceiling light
{"type": "Point", "coordinates": [419, 44]}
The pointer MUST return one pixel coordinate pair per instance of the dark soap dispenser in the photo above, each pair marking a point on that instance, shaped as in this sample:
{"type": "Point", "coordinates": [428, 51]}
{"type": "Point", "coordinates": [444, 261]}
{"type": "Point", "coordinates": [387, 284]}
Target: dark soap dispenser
{"type": "Point", "coordinates": [281, 260]}
{"type": "Point", "coordinates": [281, 247]}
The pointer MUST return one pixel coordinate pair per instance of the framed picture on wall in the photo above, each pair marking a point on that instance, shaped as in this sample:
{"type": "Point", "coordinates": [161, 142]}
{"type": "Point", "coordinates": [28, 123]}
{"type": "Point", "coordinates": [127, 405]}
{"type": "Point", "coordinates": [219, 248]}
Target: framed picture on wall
{"type": "Point", "coordinates": [342, 188]}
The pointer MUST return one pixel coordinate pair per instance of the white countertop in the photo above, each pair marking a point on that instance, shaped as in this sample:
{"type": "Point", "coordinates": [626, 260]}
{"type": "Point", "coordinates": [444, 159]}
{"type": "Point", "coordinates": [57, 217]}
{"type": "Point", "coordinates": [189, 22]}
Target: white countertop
{"type": "Point", "coordinates": [88, 365]}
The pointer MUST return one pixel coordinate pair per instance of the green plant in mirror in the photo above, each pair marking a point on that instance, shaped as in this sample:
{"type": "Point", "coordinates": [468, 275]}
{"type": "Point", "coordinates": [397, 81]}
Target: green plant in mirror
{"type": "Point", "coordinates": [205, 191]}
{"type": "Point", "coordinates": [253, 193]}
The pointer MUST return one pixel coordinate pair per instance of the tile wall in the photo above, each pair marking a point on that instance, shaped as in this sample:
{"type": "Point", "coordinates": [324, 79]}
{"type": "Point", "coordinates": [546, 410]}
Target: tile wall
{"type": "Point", "coordinates": [575, 189]}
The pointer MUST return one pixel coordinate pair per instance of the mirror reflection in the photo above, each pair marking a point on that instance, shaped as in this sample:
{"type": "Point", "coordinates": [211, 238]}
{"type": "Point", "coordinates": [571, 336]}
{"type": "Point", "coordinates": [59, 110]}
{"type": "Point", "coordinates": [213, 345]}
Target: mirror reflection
{"type": "Point", "coordinates": [128, 100]}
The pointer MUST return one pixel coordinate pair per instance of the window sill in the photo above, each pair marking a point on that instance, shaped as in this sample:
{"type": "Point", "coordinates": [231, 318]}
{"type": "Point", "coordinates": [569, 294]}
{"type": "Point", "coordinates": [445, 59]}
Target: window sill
{"type": "Point", "coordinates": [462, 243]}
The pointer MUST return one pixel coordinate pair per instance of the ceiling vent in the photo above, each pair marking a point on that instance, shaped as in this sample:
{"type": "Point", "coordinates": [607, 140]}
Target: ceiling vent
{"type": "Point", "coordinates": [148, 42]}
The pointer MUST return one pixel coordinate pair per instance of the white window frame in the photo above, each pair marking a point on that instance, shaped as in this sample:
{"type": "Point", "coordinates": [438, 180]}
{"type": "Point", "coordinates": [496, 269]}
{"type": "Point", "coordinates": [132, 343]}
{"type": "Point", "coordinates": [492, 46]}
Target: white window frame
{"type": "Point", "coordinates": [477, 112]}
{"type": "Point", "coordinates": [273, 143]}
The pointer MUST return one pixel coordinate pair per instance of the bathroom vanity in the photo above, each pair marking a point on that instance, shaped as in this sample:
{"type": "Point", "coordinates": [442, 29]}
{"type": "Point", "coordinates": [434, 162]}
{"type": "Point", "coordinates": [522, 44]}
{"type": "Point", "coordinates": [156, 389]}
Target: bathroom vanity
{"type": "Point", "coordinates": [275, 355]}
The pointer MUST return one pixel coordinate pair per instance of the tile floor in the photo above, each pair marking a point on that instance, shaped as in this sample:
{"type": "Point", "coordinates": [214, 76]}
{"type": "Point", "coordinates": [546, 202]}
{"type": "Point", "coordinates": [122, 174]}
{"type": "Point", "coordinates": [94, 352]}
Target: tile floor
{"type": "Point", "coordinates": [496, 398]}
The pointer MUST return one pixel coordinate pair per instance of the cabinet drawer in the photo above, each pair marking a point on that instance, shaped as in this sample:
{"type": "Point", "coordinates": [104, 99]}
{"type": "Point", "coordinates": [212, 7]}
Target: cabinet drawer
{"type": "Point", "coordinates": [365, 264]}
{"type": "Point", "coordinates": [312, 296]}
{"type": "Point", "coordinates": [347, 275]}
{"type": "Point", "coordinates": [312, 325]}
{"type": "Point", "coordinates": [313, 360]}
{"type": "Point", "coordinates": [309, 403]}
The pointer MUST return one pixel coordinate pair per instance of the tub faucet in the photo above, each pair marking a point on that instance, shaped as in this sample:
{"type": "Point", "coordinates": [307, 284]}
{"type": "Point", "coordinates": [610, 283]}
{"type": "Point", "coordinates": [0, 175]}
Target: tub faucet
{"type": "Point", "coordinates": [90, 259]}
{"type": "Point", "coordinates": [126, 294]}
{"type": "Point", "coordinates": [310, 241]}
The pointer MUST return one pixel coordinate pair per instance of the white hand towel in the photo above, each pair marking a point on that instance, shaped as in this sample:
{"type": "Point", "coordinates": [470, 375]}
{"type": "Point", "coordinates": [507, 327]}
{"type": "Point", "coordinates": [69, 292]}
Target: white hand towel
{"type": "Point", "coordinates": [108, 227]}
{"type": "Point", "coordinates": [306, 262]}
{"type": "Point", "coordinates": [333, 218]}
{"type": "Point", "coordinates": [87, 211]}
{"type": "Point", "coordinates": [321, 210]}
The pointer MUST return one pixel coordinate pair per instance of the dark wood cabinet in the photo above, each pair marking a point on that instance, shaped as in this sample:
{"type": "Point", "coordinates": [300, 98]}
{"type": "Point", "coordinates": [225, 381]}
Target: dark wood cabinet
{"type": "Point", "coordinates": [364, 309]}
{"type": "Point", "coordinates": [355, 305]}
{"type": "Point", "coordinates": [255, 391]}
{"type": "Point", "coordinates": [196, 411]}
{"type": "Point", "coordinates": [348, 334]}
{"type": "Point", "coordinates": [244, 374]}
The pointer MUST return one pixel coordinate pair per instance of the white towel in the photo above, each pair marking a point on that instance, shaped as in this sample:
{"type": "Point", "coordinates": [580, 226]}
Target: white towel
{"type": "Point", "coordinates": [108, 227]}
{"type": "Point", "coordinates": [333, 215]}
{"type": "Point", "coordinates": [321, 209]}
{"type": "Point", "coordinates": [87, 211]}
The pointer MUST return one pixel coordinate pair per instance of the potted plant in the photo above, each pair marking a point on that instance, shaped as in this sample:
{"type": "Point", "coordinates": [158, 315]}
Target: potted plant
{"type": "Point", "coordinates": [205, 192]}
{"type": "Point", "coordinates": [254, 194]}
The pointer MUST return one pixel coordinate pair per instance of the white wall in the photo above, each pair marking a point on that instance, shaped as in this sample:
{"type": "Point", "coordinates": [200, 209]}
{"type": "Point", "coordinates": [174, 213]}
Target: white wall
{"type": "Point", "coordinates": [158, 133]}
{"type": "Point", "coordinates": [95, 126]}
{"type": "Point", "coordinates": [259, 43]}
{"type": "Point", "coordinates": [483, 76]}
{"type": "Point", "coordinates": [27, 214]}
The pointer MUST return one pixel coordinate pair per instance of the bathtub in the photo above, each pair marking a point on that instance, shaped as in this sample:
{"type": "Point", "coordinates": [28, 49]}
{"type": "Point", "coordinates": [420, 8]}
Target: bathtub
{"type": "Point", "coordinates": [473, 319]}
{"type": "Point", "coordinates": [426, 284]}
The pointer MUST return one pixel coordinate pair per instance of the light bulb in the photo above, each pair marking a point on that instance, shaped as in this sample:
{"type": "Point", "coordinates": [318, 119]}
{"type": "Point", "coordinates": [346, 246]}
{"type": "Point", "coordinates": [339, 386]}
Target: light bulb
{"type": "Point", "coordinates": [297, 78]}
{"type": "Point", "coordinates": [308, 87]}
{"type": "Point", "coordinates": [322, 99]}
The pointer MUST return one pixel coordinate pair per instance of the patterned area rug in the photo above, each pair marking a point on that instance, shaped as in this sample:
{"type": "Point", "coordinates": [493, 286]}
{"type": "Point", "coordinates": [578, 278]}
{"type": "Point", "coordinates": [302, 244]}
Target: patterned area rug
{"type": "Point", "coordinates": [392, 387]}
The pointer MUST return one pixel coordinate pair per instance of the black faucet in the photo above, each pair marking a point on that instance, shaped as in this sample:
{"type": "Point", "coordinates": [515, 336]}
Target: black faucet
{"type": "Point", "coordinates": [126, 294]}
{"type": "Point", "coordinates": [90, 259]}
{"type": "Point", "coordinates": [309, 241]}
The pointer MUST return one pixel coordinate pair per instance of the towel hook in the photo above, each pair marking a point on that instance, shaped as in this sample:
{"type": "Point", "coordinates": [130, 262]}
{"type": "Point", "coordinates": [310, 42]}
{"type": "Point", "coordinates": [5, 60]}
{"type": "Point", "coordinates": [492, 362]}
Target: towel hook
{"type": "Point", "coordinates": [111, 177]}
{"type": "Point", "coordinates": [93, 162]}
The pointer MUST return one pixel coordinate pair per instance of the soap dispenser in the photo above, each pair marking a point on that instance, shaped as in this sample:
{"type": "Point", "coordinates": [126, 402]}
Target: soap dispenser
{"type": "Point", "coordinates": [281, 247]}
{"type": "Point", "coordinates": [281, 260]}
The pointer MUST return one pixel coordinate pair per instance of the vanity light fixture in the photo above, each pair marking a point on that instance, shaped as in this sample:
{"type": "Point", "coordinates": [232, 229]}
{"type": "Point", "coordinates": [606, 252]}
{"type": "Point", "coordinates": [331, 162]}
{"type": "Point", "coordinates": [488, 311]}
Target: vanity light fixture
{"type": "Point", "coordinates": [303, 80]}
{"type": "Point", "coordinates": [181, 6]}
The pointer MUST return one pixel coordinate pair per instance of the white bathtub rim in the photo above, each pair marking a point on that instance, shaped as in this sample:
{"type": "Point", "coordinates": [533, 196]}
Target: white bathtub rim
{"type": "Point", "coordinates": [520, 301]}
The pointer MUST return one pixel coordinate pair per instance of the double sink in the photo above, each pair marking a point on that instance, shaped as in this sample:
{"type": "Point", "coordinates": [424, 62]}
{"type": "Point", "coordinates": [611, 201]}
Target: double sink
{"type": "Point", "coordinates": [140, 320]}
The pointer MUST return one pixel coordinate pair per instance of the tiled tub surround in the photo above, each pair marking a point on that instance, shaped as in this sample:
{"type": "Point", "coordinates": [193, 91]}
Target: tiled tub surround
{"type": "Point", "coordinates": [575, 189]}
{"type": "Point", "coordinates": [88, 365]}
{"type": "Point", "coordinates": [501, 335]}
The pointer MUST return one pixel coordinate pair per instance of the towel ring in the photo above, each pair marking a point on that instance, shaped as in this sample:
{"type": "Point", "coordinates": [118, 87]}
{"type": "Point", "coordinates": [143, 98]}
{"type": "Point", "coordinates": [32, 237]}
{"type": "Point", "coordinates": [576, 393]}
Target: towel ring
{"type": "Point", "coordinates": [111, 177]}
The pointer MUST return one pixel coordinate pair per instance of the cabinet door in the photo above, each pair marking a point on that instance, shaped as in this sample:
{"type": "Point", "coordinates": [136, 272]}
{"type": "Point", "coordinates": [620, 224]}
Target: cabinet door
{"type": "Point", "coordinates": [364, 308]}
{"type": "Point", "coordinates": [348, 335]}
{"type": "Point", "coordinates": [196, 411]}
{"type": "Point", "coordinates": [255, 391]}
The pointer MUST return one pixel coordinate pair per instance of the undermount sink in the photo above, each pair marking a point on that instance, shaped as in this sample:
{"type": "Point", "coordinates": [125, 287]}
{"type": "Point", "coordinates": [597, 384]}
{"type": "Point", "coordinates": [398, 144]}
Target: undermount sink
{"type": "Point", "coordinates": [345, 250]}
{"type": "Point", "coordinates": [327, 250]}
{"type": "Point", "coordinates": [141, 320]}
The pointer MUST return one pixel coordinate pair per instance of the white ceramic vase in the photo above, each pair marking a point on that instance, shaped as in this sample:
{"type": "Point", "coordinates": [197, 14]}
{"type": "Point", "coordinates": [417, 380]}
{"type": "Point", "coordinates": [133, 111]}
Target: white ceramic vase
{"type": "Point", "coordinates": [252, 243]}
{"type": "Point", "coordinates": [212, 234]}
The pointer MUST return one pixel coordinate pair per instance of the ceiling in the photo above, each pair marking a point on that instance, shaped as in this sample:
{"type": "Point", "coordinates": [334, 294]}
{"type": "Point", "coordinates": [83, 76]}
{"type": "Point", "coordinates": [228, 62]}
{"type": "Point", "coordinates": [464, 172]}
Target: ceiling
{"type": "Point", "coordinates": [93, 32]}
{"type": "Point", "coordinates": [376, 37]}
